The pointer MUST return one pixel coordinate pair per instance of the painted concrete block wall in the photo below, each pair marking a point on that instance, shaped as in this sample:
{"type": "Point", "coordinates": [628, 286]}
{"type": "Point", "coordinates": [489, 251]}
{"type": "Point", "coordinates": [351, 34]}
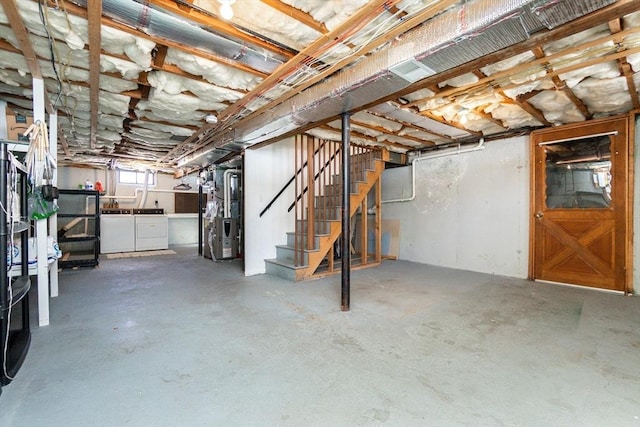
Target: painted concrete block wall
{"type": "Point", "coordinates": [471, 211]}
{"type": "Point", "coordinates": [128, 197]}
{"type": "Point", "coordinates": [183, 228]}
{"type": "Point", "coordinates": [267, 170]}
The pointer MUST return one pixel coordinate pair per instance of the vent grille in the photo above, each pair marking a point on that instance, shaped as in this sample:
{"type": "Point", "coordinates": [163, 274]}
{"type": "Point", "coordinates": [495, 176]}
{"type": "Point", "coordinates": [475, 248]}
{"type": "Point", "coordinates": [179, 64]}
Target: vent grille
{"type": "Point", "coordinates": [412, 70]}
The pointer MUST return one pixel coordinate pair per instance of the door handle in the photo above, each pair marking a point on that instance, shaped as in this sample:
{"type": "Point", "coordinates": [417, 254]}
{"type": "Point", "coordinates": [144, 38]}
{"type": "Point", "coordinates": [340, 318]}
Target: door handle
{"type": "Point", "coordinates": [539, 215]}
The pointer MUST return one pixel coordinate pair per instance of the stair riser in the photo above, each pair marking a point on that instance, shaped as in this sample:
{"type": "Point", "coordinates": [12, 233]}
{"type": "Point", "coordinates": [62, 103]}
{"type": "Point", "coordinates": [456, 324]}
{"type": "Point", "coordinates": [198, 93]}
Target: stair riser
{"type": "Point", "coordinates": [320, 227]}
{"type": "Point", "coordinates": [287, 255]}
{"type": "Point", "coordinates": [336, 189]}
{"type": "Point", "coordinates": [301, 239]}
{"type": "Point", "coordinates": [332, 213]}
{"type": "Point", "coordinates": [280, 271]}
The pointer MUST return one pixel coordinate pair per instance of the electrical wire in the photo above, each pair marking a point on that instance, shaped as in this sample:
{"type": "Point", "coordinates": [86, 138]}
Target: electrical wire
{"type": "Point", "coordinates": [13, 179]}
{"type": "Point", "coordinates": [45, 25]}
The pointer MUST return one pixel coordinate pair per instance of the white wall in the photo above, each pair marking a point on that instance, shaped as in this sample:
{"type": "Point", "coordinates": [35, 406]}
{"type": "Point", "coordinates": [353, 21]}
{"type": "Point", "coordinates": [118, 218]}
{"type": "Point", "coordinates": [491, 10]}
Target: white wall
{"type": "Point", "coordinates": [471, 211]}
{"type": "Point", "coordinates": [72, 177]}
{"type": "Point", "coordinates": [266, 170]}
{"type": "Point", "coordinates": [183, 228]}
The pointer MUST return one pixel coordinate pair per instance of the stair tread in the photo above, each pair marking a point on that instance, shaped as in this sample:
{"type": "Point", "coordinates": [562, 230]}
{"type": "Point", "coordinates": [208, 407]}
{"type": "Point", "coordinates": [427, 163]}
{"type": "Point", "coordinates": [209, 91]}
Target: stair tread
{"type": "Point", "coordinates": [292, 248]}
{"type": "Point", "coordinates": [285, 264]}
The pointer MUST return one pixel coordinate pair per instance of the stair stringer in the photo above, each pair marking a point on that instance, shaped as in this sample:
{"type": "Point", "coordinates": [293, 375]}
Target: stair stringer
{"type": "Point", "coordinates": [326, 241]}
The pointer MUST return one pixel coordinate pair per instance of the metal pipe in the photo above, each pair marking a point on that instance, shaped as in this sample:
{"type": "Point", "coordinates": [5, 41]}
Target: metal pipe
{"type": "Point", "coordinates": [200, 220]}
{"type": "Point", "coordinates": [346, 214]}
{"type": "Point", "coordinates": [4, 233]}
{"type": "Point", "coordinates": [480, 146]}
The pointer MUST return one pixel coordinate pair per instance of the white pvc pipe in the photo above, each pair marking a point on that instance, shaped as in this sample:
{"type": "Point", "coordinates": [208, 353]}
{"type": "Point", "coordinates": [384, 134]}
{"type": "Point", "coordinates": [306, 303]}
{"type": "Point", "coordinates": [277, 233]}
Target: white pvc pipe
{"type": "Point", "coordinates": [480, 146]}
{"type": "Point", "coordinates": [143, 200]}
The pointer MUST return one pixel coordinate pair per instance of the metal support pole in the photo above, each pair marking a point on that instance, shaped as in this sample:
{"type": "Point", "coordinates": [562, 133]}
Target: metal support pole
{"type": "Point", "coordinates": [200, 219]}
{"type": "Point", "coordinates": [346, 214]}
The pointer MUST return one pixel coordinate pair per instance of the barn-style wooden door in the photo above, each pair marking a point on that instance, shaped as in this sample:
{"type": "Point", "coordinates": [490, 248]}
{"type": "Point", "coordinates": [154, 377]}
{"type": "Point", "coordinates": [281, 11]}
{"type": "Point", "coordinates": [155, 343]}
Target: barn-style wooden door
{"type": "Point", "coordinates": [580, 204]}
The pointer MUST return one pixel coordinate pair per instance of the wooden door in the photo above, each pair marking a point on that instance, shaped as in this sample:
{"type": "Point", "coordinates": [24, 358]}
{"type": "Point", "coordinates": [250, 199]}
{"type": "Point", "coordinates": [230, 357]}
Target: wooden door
{"type": "Point", "coordinates": [579, 204]}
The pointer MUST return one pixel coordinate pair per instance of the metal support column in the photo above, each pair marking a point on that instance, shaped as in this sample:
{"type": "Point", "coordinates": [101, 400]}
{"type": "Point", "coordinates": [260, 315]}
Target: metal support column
{"type": "Point", "coordinates": [200, 219]}
{"type": "Point", "coordinates": [346, 214]}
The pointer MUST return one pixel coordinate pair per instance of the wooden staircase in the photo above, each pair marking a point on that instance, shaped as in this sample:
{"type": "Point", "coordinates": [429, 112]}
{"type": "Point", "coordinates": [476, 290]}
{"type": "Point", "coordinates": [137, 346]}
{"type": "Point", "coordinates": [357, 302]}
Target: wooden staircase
{"type": "Point", "coordinates": [305, 257]}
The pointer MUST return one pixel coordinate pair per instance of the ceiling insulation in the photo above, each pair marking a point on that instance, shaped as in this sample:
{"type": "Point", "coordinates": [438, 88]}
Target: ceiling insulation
{"type": "Point", "coordinates": [416, 73]}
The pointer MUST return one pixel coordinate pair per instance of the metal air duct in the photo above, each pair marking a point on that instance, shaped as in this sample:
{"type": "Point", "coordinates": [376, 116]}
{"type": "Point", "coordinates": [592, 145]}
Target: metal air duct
{"type": "Point", "coordinates": [164, 25]}
{"type": "Point", "coordinates": [466, 32]}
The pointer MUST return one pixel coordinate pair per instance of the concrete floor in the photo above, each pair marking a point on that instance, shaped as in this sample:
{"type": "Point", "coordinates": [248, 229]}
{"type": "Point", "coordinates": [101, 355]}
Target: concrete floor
{"type": "Point", "coordinates": [178, 340]}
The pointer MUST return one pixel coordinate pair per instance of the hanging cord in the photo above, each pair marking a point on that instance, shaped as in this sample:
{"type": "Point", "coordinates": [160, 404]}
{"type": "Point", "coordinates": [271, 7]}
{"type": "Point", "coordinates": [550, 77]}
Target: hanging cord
{"type": "Point", "coordinates": [39, 154]}
{"type": "Point", "coordinates": [13, 180]}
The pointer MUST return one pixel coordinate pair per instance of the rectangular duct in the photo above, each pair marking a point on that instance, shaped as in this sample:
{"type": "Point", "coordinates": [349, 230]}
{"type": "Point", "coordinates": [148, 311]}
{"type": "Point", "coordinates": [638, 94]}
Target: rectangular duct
{"type": "Point", "coordinates": [555, 13]}
{"type": "Point", "coordinates": [459, 35]}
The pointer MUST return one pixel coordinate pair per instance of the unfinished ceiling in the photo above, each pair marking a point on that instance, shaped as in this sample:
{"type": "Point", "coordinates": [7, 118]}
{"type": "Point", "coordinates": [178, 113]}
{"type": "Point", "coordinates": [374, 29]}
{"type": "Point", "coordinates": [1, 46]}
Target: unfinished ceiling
{"type": "Point", "coordinates": [174, 86]}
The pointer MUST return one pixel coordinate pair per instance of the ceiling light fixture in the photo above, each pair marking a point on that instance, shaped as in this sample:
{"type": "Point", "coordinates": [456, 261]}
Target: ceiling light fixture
{"type": "Point", "coordinates": [226, 12]}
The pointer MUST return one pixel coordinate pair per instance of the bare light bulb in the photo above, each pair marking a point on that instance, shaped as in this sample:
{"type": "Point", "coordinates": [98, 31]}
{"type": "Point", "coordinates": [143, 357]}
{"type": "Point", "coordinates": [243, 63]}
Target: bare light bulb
{"type": "Point", "coordinates": [226, 12]}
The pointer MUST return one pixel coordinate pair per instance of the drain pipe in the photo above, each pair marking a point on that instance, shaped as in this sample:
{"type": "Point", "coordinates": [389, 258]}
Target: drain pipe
{"type": "Point", "coordinates": [143, 200]}
{"type": "Point", "coordinates": [478, 147]}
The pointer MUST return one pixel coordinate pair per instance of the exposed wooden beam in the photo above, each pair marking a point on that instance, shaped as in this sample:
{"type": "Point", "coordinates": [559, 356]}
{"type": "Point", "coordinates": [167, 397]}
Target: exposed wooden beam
{"type": "Point", "coordinates": [615, 26]}
{"type": "Point", "coordinates": [627, 71]}
{"type": "Point", "coordinates": [448, 123]}
{"type": "Point", "coordinates": [160, 54]}
{"type": "Point", "coordinates": [388, 132]}
{"type": "Point", "coordinates": [219, 26]}
{"type": "Point", "coordinates": [5, 45]}
{"type": "Point", "coordinates": [370, 138]}
{"type": "Point", "coordinates": [479, 111]}
{"type": "Point", "coordinates": [539, 53]}
{"type": "Point", "coordinates": [82, 12]}
{"type": "Point", "coordinates": [411, 125]}
{"type": "Point", "coordinates": [523, 102]}
{"type": "Point", "coordinates": [502, 75]}
{"type": "Point", "coordinates": [186, 7]}
{"type": "Point", "coordinates": [94, 7]}
{"type": "Point", "coordinates": [63, 141]}
{"type": "Point", "coordinates": [297, 14]}
{"type": "Point", "coordinates": [601, 16]}
{"type": "Point", "coordinates": [17, 25]}
{"type": "Point", "coordinates": [373, 9]}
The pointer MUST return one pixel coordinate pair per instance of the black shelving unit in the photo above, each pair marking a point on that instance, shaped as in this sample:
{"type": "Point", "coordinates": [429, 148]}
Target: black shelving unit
{"type": "Point", "coordinates": [15, 332]}
{"type": "Point", "coordinates": [79, 228]}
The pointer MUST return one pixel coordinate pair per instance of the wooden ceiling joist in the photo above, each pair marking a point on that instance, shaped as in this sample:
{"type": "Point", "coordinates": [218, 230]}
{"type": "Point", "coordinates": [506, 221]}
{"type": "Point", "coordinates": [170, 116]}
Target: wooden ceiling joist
{"type": "Point", "coordinates": [561, 85]}
{"type": "Point", "coordinates": [493, 79]}
{"type": "Point", "coordinates": [94, 8]}
{"type": "Point", "coordinates": [388, 132]}
{"type": "Point", "coordinates": [17, 25]}
{"type": "Point", "coordinates": [615, 26]}
{"type": "Point", "coordinates": [601, 16]}
{"type": "Point", "coordinates": [313, 49]}
{"type": "Point", "coordinates": [523, 102]}
{"type": "Point", "coordinates": [370, 138]}
{"type": "Point", "coordinates": [297, 14]}
{"type": "Point", "coordinates": [218, 26]}
{"type": "Point", "coordinates": [448, 123]}
{"type": "Point", "coordinates": [82, 12]}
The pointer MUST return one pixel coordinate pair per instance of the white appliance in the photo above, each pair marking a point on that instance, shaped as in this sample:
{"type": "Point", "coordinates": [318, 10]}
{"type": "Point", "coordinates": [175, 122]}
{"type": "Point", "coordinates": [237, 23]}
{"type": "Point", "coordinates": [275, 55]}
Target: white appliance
{"type": "Point", "coordinates": [151, 232]}
{"type": "Point", "coordinates": [117, 233]}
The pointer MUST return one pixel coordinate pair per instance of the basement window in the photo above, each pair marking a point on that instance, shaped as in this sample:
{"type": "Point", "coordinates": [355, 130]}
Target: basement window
{"type": "Point", "coordinates": [135, 178]}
